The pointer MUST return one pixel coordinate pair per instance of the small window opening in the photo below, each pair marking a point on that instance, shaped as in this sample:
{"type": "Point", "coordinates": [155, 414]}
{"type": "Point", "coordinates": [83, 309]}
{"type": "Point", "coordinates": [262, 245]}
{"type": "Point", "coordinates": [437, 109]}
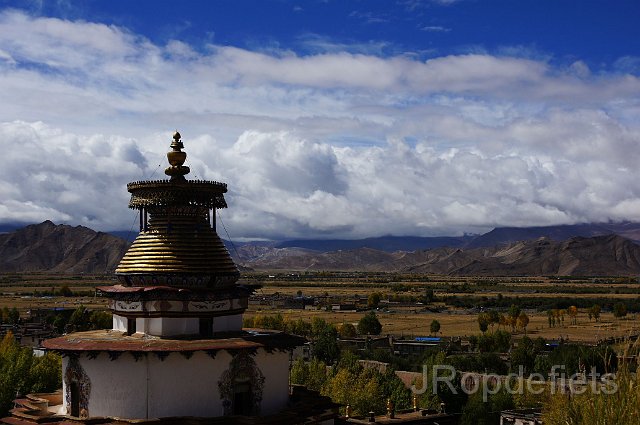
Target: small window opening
{"type": "Point", "coordinates": [206, 327]}
{"type": "Point", "coordinates": [131, 326]}
{"type": "Point", "coordinates": [242, 398]}
{"type": "Point", "coordinates": [75, 399]}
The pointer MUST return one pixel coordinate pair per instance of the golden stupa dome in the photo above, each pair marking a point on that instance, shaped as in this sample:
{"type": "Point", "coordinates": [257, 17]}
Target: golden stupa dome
{"type": "Point", "coordinates": [177, 244]}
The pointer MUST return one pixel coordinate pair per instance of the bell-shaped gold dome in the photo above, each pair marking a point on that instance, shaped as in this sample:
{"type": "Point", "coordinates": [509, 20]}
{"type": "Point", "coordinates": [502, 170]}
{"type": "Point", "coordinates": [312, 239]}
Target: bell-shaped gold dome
{"type": "Point", "coordinates": [177, 245]}
{"type": "Point", "coordinates": [180, 251]}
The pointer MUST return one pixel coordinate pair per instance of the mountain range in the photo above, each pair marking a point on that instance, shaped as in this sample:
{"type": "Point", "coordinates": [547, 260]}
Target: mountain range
{"type": "Point", "coordinates": [583, 249]}
{"type": "Point", "coordinates": [579, 256]}
{"type": "Point", "coordinates": [60, 248]}
{"type": "Point", "coordinates": [497, 236]}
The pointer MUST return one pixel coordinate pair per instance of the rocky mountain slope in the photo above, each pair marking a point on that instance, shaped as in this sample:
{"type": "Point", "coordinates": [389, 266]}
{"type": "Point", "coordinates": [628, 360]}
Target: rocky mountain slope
{"type": "Point", "coordinates": [382, 243]}
{"type": "Point", "coordinates": [579, 256]}
{"type": "Point", "coordinates": [502, 235]}
{"type": "Point", "coordinates": [497, 236]}
{"type": "Point", "coordinates": [63, 248]}
{"type": "Point", "coordinates": [600, 255]}
{"type": "Point", "coordinates": [60, 248]}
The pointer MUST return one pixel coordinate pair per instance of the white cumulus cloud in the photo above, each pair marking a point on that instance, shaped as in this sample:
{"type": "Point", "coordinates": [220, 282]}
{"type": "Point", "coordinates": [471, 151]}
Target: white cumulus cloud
{"type": "Point", "coordinates": [338, 144]}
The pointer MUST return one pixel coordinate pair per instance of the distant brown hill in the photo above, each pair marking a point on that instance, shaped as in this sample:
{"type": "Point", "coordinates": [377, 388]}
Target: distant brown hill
{"type": "Point", "coordinates": [579, 256]}
{"type": "Point", "coordinates": [504, 235]}
{"type": "Point", "coordinates": [63, 248]}
{"type": "Point", "coordinates": [59, 248]}
{"type": "Point", "coordinates": [596, 256]}
{"type": "Point", "coordinates": [497, 236]}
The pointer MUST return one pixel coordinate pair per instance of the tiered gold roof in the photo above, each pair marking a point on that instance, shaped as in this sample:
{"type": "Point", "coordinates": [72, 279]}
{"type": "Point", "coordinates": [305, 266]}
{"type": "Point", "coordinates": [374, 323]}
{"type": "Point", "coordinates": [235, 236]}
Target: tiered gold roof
{"type": "Point", "coordinates": [177, 246]}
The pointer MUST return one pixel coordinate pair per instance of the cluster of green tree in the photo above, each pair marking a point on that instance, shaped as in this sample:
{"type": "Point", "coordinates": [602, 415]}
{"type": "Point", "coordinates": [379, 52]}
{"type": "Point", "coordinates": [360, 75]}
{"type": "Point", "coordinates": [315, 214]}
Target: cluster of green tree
{"type": "Point", "coordinates": [515, 319]}
{"type": "Point", "coordinates": [434, 327]}
{"type": "Point", "coordinates": [556, 316]}
{"type": "Point", "coordinates": [410, 363]}
{"type": "Point", "coordinates": [493, 342]}
{"type": "Point", "coordinates": [322, 334]}
{"type": "Point", "coordinates": [10, 278]}
{"type": "Point", "coordinates": [428, 297]}
{"type": "Point", "coordinates": [619, 310]}
{"type": "Point", "coordinates": [401, 287]}
{"type": "Point", "coordinates": [535, 357]}
{"type": "Point", "coordinates": [449, 394]}
{"type": "Point", "coordinates": [368, 324]}
{"type": "Point", "coordinates": [63, 291]}
{"type": "Point", "coordinates": [587, 289]}
{"type": "Point", "coordinates": [595, 279]}
{"type": "Point", "coordinates": [481, 363]}
{"type": "Point", "coordinates": [81, 319]}
{"type": "Point", "coordinates": [367, 389]}
{"type": "Point", "coordinates": [10, 316]}
{"type": "Point", "coordinates": [536, 288]}
{"type": "Point", "coordinates": [22, 373]}
{"type": "Point", "coordinates": [348, 383]}
{"type": "Point", "coordinates": [578, 358]}
{"type": "Point", "coordinates": [594, 312]}
{"type": "Point", "coordinates": [478, 411]}
{"type": "Point", "coordinates": [541, 303]}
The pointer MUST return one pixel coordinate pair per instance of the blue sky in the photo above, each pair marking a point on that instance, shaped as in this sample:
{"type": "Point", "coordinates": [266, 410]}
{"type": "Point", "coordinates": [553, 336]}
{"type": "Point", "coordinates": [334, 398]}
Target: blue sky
{"type": "Point", "coordinates": [326, 118]}
{"type": "Point", "coordinates": [595, 31]}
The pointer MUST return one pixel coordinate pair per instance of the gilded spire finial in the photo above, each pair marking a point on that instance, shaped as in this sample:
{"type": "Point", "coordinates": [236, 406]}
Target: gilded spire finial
{"type": "Point", "coordinates": [176, 158]}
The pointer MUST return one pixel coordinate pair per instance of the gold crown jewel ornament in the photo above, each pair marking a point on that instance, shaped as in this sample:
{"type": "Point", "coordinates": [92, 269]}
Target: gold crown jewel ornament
{"type": "Point", "coordinates": [176, 158]}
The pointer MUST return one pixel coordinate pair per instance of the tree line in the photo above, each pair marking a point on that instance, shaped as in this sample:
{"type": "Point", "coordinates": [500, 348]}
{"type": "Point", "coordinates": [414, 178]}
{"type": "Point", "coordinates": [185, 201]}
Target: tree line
{"type": "Point", "coordinates": [343, 378]}
{"type": "Point", "coordinates": [22, 373]}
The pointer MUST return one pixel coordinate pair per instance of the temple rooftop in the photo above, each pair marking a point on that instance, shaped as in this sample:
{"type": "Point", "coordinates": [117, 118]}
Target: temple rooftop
{"type": "Point", "coordinates": [110, 340]}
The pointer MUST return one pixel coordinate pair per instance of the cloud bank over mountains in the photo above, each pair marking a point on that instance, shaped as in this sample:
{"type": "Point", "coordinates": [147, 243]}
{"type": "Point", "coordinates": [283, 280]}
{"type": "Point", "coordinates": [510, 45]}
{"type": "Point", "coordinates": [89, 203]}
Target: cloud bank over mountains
{"type": "Point", "coordinates": [330, 144]}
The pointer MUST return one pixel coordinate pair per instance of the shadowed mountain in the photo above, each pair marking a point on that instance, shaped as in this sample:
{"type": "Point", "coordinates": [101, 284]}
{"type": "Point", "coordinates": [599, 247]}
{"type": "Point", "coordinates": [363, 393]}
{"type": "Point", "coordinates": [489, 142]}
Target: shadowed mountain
{"type": "Point", "coordinates": [596, 256]}
{"type": "Point", "coordinates": [59, 248]}
{"type": "Point", "coordinates": [503, 235]}
{"type": "Point", "coordinates": [63, 248]}
{"type": "Point", "coordinates": [497, 236]}
{"type": "Point", "coordinates": [600, 255]}
{"type": "Point", "coordinates": [383, 243]}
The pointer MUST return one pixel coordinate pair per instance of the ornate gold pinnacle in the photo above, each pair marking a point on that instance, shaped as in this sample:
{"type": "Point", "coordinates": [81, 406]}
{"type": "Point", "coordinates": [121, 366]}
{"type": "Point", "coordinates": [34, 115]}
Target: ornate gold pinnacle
{"type": "Point", "coordinates": [176, 158]}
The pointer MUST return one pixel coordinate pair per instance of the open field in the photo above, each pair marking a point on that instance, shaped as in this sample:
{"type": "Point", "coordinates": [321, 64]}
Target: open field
{"type": "Point", "coordinates": [38, 290]}
{"type": "Point", "coordinates": [26, 303]}
{"type": "Point", "coordinates": [461, 324]}
{"type": "Point", "coordinates": [415, 320]}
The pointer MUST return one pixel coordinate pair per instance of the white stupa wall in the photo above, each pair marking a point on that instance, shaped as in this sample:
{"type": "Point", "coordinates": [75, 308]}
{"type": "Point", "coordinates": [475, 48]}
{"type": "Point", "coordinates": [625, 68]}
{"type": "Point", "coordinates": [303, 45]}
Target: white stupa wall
{"type": "Point", "coordinates": [117, 387]}
{"type": "Point", "coordinates": [227, 323]}
{"type": "Point", "coordinates": [177, 386]}
{"type": "Point", "coordinates": [177, 326]}
{"type": "Point", "coordinates": [180, 387]}
{"type": "Point", "coordinates": [168, 326]}
{"type": "Point", "coordinates": [275, 368]}
{"type": "Point", "coordinates": [119, 323]}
